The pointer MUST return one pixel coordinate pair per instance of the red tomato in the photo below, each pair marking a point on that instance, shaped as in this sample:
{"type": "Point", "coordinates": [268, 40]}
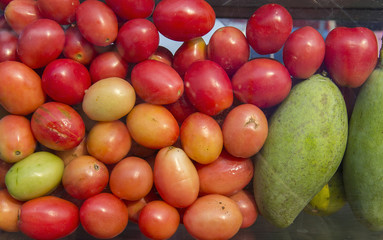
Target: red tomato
{"type": "Point", "coordinates": [129, 9]}
{"type": "Point", "coordinates": [40, 42]}
{"type": "Point", "coordinates": [68, 155]}
{"type": "Point", "coordinates": [20, 13]}
{"type": "Point", "coordinates": [48, 217]}
{"type": "Point", "coordinates": [263, 82]}
{"type": "Point", "coordinates": [97, 22]}
{"type": "Point", "coordinates": [244, 130]}
{"type": "Point", "coordinates": [158, 220]}
{"type": "Point", "coordinates": [65, 81]}
{"type": "Point", "coordinates": [135, 207]}
{"type": "Point", "coordinates": [62, 11]}
{"type": "Point", "coordinates": [351, 55]}
{"type": "Point", "coordinates": [163, 54]}
{"type": "Point", "coordinates": [223, 43]}
{"type": "Point", "coordinates": [108, 64]}
{"type": "Point", "coordinates": [131, 179]}
{"type": "Point", "coordinates": [183, 20]}
{"type": "Point", "coordinates": [142, 45]}
{"type": "Point", "coordinates": [104, 215]}
{"type": "Point", "coordinates": [9, 212]}
{"type": "Point", "coordinates": [16, 138]}
{"type": "Point", "coordinates": [208, 87]}
{"type": "Point", "coordinates": [156, 82]}
{"type": "Point", "coordinates": [303, 52]}
{"type": "Point", "coordinates": [57, 126]}
{"type": "Point", "coordinates": [85, 177]}
{"type": "Point", "coordinates": [268, 28]}
{"type": "Point", "coordinates": [181, 109]}
{"type": "Point", "coordinates": [152, 126]}
{"type": "Point", "coordinates": [226, 175]}
{"type": "Point", "coordinates": [20, 88]}
{"type": "Point", "coordinates": [213, 216]}
{"type": "Point", "coordinates": [246, 203]}
{"type": "Point", "coordinates": [8, 45]}
{"type": "Point", "coordinates": [175, 177]}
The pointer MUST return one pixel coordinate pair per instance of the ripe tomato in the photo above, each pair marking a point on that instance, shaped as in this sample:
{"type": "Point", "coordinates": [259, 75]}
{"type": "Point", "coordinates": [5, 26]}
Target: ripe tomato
{"type": "Point", "coordinates": [20, 13]}
{"type": "Point", "coordinates": [129, 9]}
{"type": "Point", "coordinates": [135, 207]}
{"type": "Point", "coordinates": [8, 45]}
{"type": "Point", "coordinates": [351, 55]}
{"type": "Point", "coordinates": [246, 203]}
{"type": "Point", "coordinates": [162, 54]}
{"type": "Point", "coordinates": [9, 212]}
{"type": "Point", "coordinates": [68, 155]}
{"type": "Point", "coordinates": [263, 82]}
{"type": "Point", "coordinates": [181, 109]}
{"type": "Point", "coordinates": [303, 52]}
{"type": "Point", "coordinates": [62, 11]}
{"type": "Point", "coordinates": [108, 64]}
{"type": "Point", "coordinates": [268, 28]}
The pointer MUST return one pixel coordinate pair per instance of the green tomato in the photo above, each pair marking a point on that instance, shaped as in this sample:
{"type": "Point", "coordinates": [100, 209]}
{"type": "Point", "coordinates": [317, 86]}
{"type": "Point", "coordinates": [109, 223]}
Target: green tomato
{"type": "Point", "coordinates": [34, 176]}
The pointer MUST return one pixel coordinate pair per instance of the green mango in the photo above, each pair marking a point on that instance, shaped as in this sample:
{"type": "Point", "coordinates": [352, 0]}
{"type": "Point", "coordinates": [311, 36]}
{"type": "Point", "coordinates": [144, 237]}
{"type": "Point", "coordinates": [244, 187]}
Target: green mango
{"type": "Point", "coordinates": [304, 148]}
{"type": "Point", "coordinates": [363, 162]}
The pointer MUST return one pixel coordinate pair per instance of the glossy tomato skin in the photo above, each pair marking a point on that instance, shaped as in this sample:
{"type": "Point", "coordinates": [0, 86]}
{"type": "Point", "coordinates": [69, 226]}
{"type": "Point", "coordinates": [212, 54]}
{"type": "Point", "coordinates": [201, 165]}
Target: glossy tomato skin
{"type": "Point", "coordinates": [135, 207]}
{"type": "Point", "coordinates": [8, 45]}
{"type": "Point", "coordinates": [183, 20]}
{"type": "Point", "coordinates": [63, 12]}
{"type": "Point", "coordinates": [65, 81]}
{"type": "Point", "coordinates": [48, 217]}
{"type": "Point", "coordinates": [181, 109]}
{"type": "Point", "coordinates": [97, 22]}
{"type": "Point", "coordinates": [40, 42]}
{"type": "Point", "coordinates": [351, 55]}
{"type": "Point", "coordinates": [68, 155]}
{"type": "Point", "coordinates": [263, 82]}
{"type": "Point", "coordinates": [20, 13]}
{"type": "Point", "coordinates": [163, 54]}
{"type": "Point", "coordinates": [142, 45]}
{"type": "Point", "coordinates": [104, 215]}
{"type": "Point", "coordinates": [303, 52]}
{"type": "Point", "coordinates": [246, 203]}
{"type": "Point", "coordinates": [108, 64]}
{"type": "Point", "coordinates": [156, 82]}
{"type": "Point", "coordinates": [9, 212]}
{"type": "Point", "coordinates": [268, 28]}
{"type": "Point", "coordinates": [129, 9]}
{"type": "Point", "coordinates": [208, 87]}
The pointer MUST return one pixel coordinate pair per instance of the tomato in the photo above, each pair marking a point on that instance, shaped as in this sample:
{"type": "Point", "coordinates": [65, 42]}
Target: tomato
{"type": "Point", "coordinates": [109, 141]}
{"type": "Point", "coordinates": [97, 22]}
{"type": "Point", "coordinates": [162, 54]}
{"type": "Point", "coordinates": [102, 101]}
{"type": "Point", "coordinates": [156, 82]}
{"type": "Point", "coordinates": [244, 130]}
{"type": "Point", "coordinates": [351, 55]}
{"type": "Point", "coordinates": [16, 139]}
{"type": "Point", "coordinates": [213, 216]}
{"type": "Point", "coordinates": [129, 9]}
{"type": "Point", "coordinates": [57, 126]}
{"type": "Point", "coordinates": [8, 45]}
{"type": "Point", "coordinates": [208, 87]}
{"type": "Point", "coordinates": [68, 155]}
{"type": "Point", "coordinates": [201, 138]}
{"type": "Point", "coordinates": [4, 3]}
{"type": "Point", "coordinates": [48, 217]}
{"type": "Point", "coordinates": [223, 43]}
{"type": "Point", "coordinates": [268, 28]}
{"type": "Point", "coordinates": [108, 64]}
{"type": "Point", "coordinates": [20, 13]}
{"type": "Point", "coordinates": [142, 45]}
{"type": "Point", "coordinates": [9, 212]}
{"type": "Point", "coordinates": [226, 175]}
{"type": "Point", "coordinates": [158, 220]}
{"type": "Point", "coordinates": [63, 12]}
{"type": "Point", "coordinates": [34, 176]}
{"type": "Point", "coordinates": [21, 92]}
{"type": "Point", "coordinates": [183, 20]}
{"type": "Point", "coordinates": [131, 179]}
{"type": "Point", "coordinates": [263, 82]}
{"type": "Point", "coordinates": [135, 207]}
{"type": "Point", "coordinates": [175, 177]}
{"type": "Point", "coordinates": [152, 126]}
{"type": "Point", "coordinates": [246, 203]}
{"type": "Point", "coordinates": [65, 80]}
{"type": "Point", "coordinates": [4, 167]}
{"type": "Point", "coordinates": [104, 215]}
{"type": "Point", "coordinates": [304, 52]}
{"type": "Point", "coordinates": [181, 108]}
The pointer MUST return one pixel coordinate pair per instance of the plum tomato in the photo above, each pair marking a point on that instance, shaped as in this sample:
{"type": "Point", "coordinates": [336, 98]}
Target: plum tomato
{"type": "Point", "coordinates": [303, 52]}
{"type": "Point", "coordinates": [268, 28]}
{"type": "Point", "coordinates": [21, 13]}
{"type": "Point", "coordinates": [108, 64]}
{"type": "Point", "coordinates": [213, 216]}
{"type": "Point", "coordinates": [244, 130]}
{"type": "Point", "coordinates": [62, 11]}
{"type": "Point", "coordinates": [129, 9]}
{"type": "Point", "coordinates": [246, 203]}
{"type": "Point", "coordinates": [183, 20]}
{"type": "Point", "coordinates": [135, 207]}
{"type": "Point", "coordinates": [181, 108]}
{"type": "Point", "coordinates": [351, 55]}
{"type": "Point", "coordinates": [68, 155]}
{"type": "Point", "coordinates": [8, 45]}
{"type": "Point", "coordinates": [9, 212]}
{"type": "Point", "coordinates": [156, 82]}
{"type": "Point", "coordinates": [208, 87]}
{"type": "Point", "coordinates": [264, 82]}
{"type": "Point", "coordinates": [201, 138]}
{"type": "Point", "coordinates": [162, 54]}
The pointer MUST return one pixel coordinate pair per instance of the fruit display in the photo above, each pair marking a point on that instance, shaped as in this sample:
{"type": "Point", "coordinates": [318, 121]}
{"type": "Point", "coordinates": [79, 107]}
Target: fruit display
{"type": "Point", "coordinates": [269, 131]}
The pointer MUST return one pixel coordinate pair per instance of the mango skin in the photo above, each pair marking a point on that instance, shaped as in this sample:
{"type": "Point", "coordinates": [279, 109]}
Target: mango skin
{"type": "Point", "coordinates": [305, 146]}
{"type": "Point", "coordinates": [363, 162]}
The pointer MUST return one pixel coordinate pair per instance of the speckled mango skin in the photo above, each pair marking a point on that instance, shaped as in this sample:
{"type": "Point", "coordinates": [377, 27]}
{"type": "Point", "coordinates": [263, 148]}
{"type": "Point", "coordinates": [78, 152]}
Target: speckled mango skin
{"type": "Point", "coordinates": [304, 148]}
{"type": "Point", "coordinates": [363, 162]}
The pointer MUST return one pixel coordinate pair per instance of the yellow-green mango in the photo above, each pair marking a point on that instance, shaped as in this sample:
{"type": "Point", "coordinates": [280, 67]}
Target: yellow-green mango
{"type": "Point", "coordinates": [304, 148]}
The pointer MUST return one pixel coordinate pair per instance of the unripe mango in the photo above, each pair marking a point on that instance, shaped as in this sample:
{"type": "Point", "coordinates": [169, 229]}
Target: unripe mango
{"type": "Point", "coordinates": [305, 146]}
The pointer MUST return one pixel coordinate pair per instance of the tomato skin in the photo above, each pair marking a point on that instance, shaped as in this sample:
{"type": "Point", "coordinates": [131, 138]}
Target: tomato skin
{"type": "Point", "coordinates": [246, 203]}
{"type": "Point", "coordinates": [108, 64]}
{"type": "Point", "coordinates": [351, 55]}
{"type": "Point", "coordinates": [303, 52]}
{"type": "Point", "coordinates": [208, 87]}
{"type": "Point", "coordinates": [181, 109]}
{"type": "Point", "coordinates": [156, 82]}
{"type": "Point", "coordinates": [20, 13]}
{"type": "Point", "coordinates": [268, 28]}
{"type": "Point", "coordinates": [129, 9]}
{"type": "Point", "coordinates": [9, 212]}
{"type": "Point", "coordinates": [8, 45]}
{"type": "Point", "coordinates": [4, 167]}
{"type": "Point", "coordinates": [135, 207]}
{"type": "Point", "coordinates": [263, 82]}
{"type": "Point", "coordinates": [63, 12]}
{"type": "Point", "coordinates": [183, 20]}
{"type": "Point", "coordinates": [48, 217]}
{"type": "Point", "coordinates": [163, 54]}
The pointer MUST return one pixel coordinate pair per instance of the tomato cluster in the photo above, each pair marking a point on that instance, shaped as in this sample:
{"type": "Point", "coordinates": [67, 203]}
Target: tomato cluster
{"type": "Point", "coordinates": [100, 125]}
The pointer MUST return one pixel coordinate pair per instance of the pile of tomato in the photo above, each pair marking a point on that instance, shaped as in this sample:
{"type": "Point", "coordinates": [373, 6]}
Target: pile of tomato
{"type": "Point", "coordinates": [102, 127]}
